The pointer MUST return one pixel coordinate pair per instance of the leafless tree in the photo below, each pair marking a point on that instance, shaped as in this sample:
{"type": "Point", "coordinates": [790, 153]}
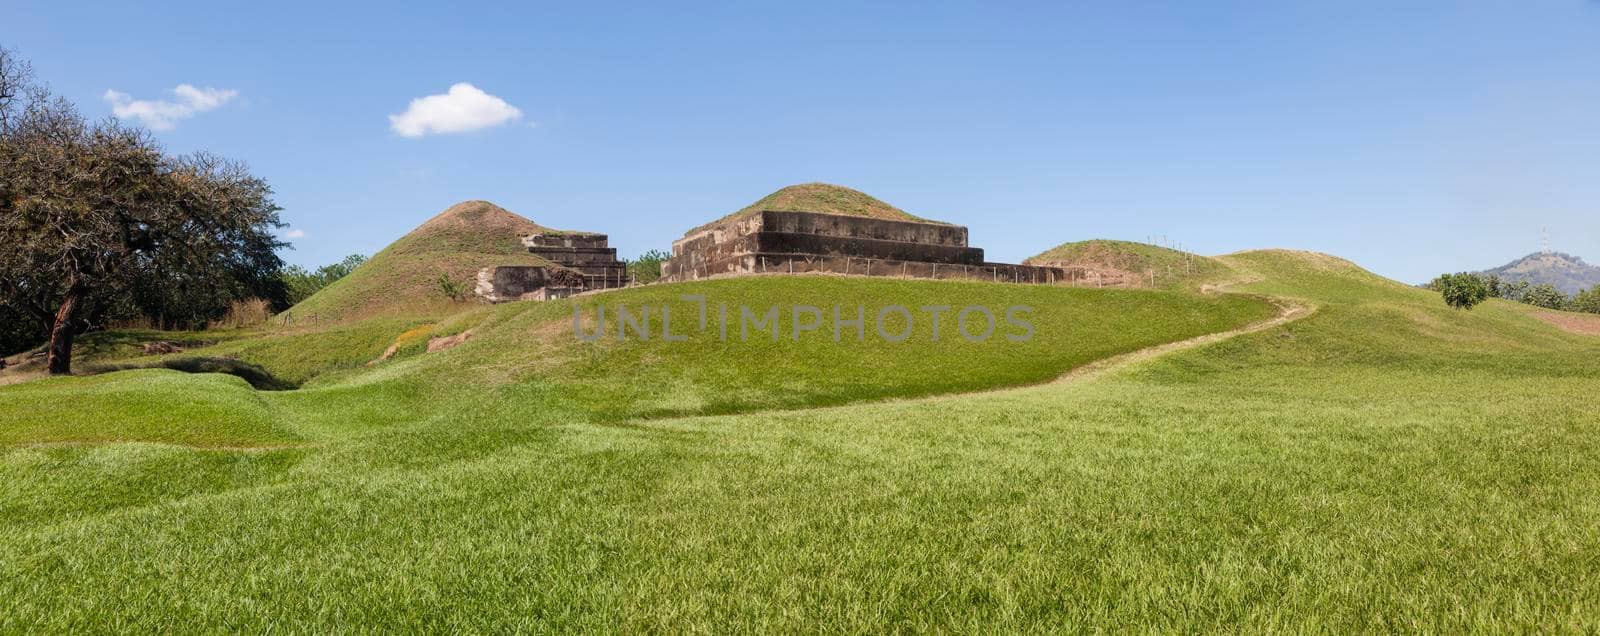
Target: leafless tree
{"type": "Point", "coordinates": [16, 79]}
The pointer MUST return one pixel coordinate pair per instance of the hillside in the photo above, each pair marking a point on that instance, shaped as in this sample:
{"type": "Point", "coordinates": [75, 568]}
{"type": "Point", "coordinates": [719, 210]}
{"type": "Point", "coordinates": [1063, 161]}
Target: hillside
{"type": "Point", "coordinates": [824, 198]}
{"type": "Point", "coordinates": [534, 343]}
{"type": "Point", "coordinates": [1141, 264]}
{"type": "Point", "coordinates": [1379, 464]}
{"type": "Point", "coordinates": [402, 279]}
{"type": "Point", "coordinates": [1566, 272]}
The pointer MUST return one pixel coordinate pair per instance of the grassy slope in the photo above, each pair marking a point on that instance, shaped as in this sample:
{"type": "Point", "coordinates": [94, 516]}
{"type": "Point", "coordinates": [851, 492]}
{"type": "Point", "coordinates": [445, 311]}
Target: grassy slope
{"type": "Point", "coordinates": [825, 198]}
{"type": "Point", "coordinates": [154, 405]}
{"type": "Point", "coordinates": [706, 374]}
{"type": "Point", "coordinates": [1172, 269]}
{"type": "Point", "coordinates": [401, 279]}
{"type": "Point", "coordinates": [1385, 463]}
{"type": "Point", "coordinates": [528, 351]}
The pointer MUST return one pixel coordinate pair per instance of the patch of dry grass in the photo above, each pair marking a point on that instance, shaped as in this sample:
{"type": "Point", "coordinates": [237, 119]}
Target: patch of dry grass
{"type": "Point", "coordinates": [248, 312]}
{"type": "Point", "coordinates": [1585, 324]}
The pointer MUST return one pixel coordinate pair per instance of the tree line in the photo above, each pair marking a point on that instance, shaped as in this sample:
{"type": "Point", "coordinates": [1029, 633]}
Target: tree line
{"type": "Point", "coordinates": [1465, 290]}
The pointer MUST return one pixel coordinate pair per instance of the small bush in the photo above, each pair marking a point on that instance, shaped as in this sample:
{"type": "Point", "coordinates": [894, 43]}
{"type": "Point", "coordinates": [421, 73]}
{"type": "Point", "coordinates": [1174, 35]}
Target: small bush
{"type": "Point", "coordinates": [647, 268]}
{"type": "Point", "coordinates": [451, 288]}
{"type": "Point", "coordinates": [1463, 290]}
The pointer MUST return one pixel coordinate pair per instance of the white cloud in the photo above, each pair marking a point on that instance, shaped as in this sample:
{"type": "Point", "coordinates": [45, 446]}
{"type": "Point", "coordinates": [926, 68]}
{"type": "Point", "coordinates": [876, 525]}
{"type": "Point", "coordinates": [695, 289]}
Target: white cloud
{"type": "Point", "coordinates": [294, 234]}
{"type": "Point", "coordinates": [463, 108]}
{"type": "Point", "coordinates": [164, 115]}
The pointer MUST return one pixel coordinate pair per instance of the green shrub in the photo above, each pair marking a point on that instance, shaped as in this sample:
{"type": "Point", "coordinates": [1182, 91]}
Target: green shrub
{"type": "Point", "coordinates": [1463, 290]}
{"type": "Point", "coordinates": [1587, 301]}
{"type": "Point", "coordinates": [647, 268]}
{"type": "Point", "coordinates": [451, 288]}
{"type": "Point", "coordinates": [1546, 296]}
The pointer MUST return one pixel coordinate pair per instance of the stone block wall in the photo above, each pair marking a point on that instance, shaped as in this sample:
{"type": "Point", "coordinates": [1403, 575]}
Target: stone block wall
{"type": "Point", "coordinates": [585, 252]}
{"type": "Point", "coordinates": [585, 262]}
{"type": "Point", "coordinates": [727, 247]}
{"type": "Point", "coordinates": [756, 264]}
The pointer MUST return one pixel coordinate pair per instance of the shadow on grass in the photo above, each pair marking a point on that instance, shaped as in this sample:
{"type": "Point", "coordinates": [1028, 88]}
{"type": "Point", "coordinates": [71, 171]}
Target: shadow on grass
{"type": "Point", "coordinates": [258, 377]}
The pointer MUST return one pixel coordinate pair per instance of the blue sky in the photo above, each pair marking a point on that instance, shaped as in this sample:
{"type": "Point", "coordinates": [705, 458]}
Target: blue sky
{"type": "Point", "coordinates": [1411, 137]}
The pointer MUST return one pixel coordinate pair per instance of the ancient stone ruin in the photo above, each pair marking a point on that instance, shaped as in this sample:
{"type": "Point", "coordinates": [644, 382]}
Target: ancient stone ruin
{"type": "Point", "coordinates": [824, 228]}
{"type": "Point", "coordinates": [581, 261]}
{"type": "Point", "coordinates": [807, 228]}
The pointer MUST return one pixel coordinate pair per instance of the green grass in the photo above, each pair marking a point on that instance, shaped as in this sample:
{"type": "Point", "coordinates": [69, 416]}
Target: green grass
{"type": "Point", "coordinates": [824, 198]}
{"type": "Point", "coordinates": [1384, 464]}
{"type": "Point", "coordinates": [1169, 268]}
{"type": "Point", "coordinates": [155, 405]}
{"type": "Point", "coordinates": [297, 356]}
{"type": "Point", "coordinates": [532, 347]}
{"type": "Point", "coordinates": [529, 351]}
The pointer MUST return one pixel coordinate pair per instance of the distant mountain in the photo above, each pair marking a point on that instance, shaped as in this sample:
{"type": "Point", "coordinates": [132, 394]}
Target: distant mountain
{"type": "Point", "coordinates": [1567, 272]}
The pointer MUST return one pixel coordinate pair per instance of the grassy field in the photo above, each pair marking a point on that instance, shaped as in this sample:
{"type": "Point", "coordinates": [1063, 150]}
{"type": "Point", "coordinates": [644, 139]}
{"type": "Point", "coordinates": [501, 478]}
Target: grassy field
{"type": "Point", "coordinates": [1383, 464]}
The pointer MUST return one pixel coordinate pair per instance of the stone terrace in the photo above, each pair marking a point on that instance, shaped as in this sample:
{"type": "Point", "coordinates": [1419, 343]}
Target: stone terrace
{"type": "Point", "coordinates": [585, 261]}
{"type": "Point", "coordinates": [776, 241]}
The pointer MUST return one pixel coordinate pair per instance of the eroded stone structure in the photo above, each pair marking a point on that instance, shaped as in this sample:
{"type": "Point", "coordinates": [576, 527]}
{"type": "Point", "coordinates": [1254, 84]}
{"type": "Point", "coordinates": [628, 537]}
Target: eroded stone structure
{"type": "Point", "coordinates": [584, 252]}
{"type": "Point", "coordinates": [582, 261]}
{"type": "Point", "coordinates": [777, 241]}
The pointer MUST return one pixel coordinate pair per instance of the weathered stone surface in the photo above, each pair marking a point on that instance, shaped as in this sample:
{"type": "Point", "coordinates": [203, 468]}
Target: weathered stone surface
{"type": "Point", "coordinates": [587, 253]}
{"type": "Point", "coordinates": [778, 263]}
{"type": "Point", "coordinates": [524, 282]}
{"type": "Point", "coordinates": [797, 242]}
{"type": "Point", "coordinates": [584, 260]}
{"type": "Point", "coordinates": [565, 240]}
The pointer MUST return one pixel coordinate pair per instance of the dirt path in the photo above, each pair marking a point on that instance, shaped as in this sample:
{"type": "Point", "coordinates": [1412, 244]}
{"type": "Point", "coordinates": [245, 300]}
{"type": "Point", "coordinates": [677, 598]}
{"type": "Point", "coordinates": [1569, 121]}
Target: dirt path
{"type": "Point", "coordinates": [1288, 311]}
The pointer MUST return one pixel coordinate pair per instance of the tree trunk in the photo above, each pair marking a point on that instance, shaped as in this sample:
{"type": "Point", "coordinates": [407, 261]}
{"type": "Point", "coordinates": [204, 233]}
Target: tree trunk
{"type": "Point", "coordinates": [60, 361]}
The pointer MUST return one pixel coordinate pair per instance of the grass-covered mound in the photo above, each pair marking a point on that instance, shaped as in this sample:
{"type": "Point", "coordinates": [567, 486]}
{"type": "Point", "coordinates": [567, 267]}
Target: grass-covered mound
{"type": "Point", "coordinates": [535, 345]}
{"type": "Point", "coordinates": [1384, 464]}
{"type": "Point", "coordinates": [403, 278]}
{"type": "Point", "coordinates": [150, 405]}
{"type": "Point", "coordinates": [532, 350]}
{"type": "Point", "coordinates": [1169, 268]}
{"type": "Point", "coordinates": [824, 198]}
